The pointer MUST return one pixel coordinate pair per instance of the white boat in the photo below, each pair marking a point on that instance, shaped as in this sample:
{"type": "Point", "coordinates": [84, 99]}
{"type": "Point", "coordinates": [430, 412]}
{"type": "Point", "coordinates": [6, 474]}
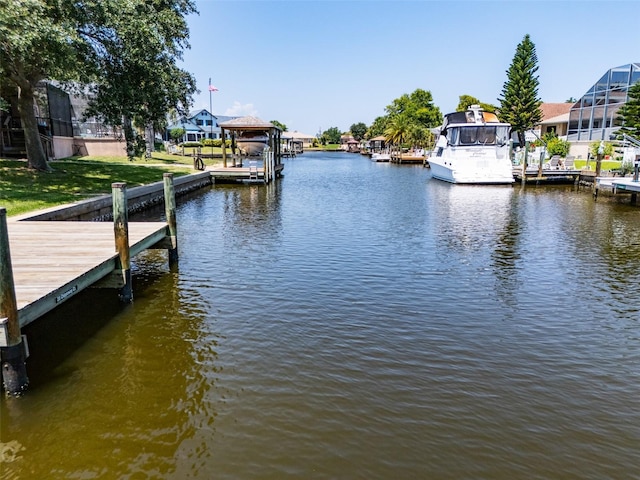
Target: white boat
{"type": "Point", "coordinates": [380, 157]}
{"type": "Point", "coordinates": [472, 147]}
{"type": "Point", "coordinates": [252, 143]}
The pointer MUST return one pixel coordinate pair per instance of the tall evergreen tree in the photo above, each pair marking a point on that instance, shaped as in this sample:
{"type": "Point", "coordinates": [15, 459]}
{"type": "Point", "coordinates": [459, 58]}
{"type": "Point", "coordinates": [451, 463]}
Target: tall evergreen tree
{"type": "Point", "coordinates": [519, 103]}
{"type": "Point", "coordinates": [630, 113]}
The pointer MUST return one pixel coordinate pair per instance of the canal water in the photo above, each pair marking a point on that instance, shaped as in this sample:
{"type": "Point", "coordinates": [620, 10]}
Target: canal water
{"type": "Point", "coordinates": [352, 320]}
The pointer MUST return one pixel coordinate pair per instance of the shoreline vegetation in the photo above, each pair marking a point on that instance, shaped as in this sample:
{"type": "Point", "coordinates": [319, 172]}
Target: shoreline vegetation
{"type": "Point", "coordinates": [72, 179]}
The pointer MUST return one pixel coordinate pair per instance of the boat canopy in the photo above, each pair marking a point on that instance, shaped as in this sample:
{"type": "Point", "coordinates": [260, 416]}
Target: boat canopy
{"type": "Point", "coordinates": [473, 115]}
{"type": "Point", "coordinates": [478, 135]}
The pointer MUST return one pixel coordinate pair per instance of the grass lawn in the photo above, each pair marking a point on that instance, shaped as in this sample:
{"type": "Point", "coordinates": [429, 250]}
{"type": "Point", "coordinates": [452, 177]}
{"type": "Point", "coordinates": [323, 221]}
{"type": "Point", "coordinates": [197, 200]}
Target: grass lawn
{"type": "Point", "coordinates": [72, 179]}
{"type": "Point", "coordinates": [605, 165]}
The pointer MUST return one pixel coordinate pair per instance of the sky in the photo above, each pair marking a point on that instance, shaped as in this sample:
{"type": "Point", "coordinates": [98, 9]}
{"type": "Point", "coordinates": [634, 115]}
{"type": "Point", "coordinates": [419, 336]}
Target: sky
{"type": "Point", "coordinates": [317, 64]}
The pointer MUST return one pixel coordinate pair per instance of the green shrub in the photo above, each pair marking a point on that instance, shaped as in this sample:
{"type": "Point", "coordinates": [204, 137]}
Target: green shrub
{"type": "Point", "coordinates": [555, 146]}
{"type": "Point", "coordinates": [214, 142]}
{"type": "Point", "coordinates": [626, 167]}
{"type": "Point", "coordinates": [177, 133]}
{"type": "Point", "coordinates": [594, 146]}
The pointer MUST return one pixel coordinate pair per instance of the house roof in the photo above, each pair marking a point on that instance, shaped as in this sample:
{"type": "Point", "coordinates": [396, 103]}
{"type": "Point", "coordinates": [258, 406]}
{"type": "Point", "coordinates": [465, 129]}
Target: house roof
{"type": "Point", "coordinates": [202, 110]}
{"type": "Point", "coordinates": [379, 138]}
{"type": "Point", "coordinates": [551, 110]}
{"type": "Point", "coordinates": [188, 125]}
{"type": "Point", "coordinates": [247, 123]}
{"type": "Point", "coordinates": [296, 134]}
{"type": "Point", "coordinates": [224, 118]}
{"type": "Point", "coordinates": [564, 118]}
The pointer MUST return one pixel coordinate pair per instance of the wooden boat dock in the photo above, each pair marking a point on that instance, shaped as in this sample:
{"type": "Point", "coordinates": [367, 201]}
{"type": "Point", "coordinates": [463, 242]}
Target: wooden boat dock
{"type": "Point", "coordinates": [408, 158]}
{"type": "Point", "coordinates": [618, 185]}
{"type": "Point", "coordinates": [245, 174]}
{"type": "Point", "coordinates": [548, 176]}
{"type": "Point", "coordinates": [53, 261]}
{"type": "Point", "coordinates": [44, 263]}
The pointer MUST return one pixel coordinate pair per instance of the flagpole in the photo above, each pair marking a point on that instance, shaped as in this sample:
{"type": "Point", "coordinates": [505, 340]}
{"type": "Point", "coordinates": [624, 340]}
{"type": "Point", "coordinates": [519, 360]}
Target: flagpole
{"type": "Point", "coordinates": [211, 112]}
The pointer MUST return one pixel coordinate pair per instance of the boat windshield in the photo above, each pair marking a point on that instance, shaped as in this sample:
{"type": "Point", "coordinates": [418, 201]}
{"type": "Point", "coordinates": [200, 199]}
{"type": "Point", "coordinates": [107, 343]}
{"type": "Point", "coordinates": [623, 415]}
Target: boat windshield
{"type": "Point", "coordinates": [478, 135]}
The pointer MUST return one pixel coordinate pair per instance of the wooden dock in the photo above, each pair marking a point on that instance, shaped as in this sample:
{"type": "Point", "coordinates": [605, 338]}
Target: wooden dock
{"type": "Point", "coordinates": [408, 158]}
{"type": "Point", "coordinates": [247, 174]}
{"type": "Point", "coordinates": [53, 261]}
{"type": "Point", "coordinates": [548, 176]}
{"type": "Point", "coordinates": [618, 185]}
{"type": "Point", "coordinates": [45, 263]}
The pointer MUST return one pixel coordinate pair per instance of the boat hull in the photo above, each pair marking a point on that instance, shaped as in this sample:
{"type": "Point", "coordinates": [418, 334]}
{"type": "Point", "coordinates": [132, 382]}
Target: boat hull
{"type": "Point", "coordinates": [470, 171]}
{"type": "Point", "coordinates": [380, 157]}
{"type": "Point", "coordinates": [253, 145]}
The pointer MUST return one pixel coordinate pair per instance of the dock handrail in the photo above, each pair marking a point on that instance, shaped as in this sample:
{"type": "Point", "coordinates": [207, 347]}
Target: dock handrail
{"type": "Point", "coordinates": [632, 140]}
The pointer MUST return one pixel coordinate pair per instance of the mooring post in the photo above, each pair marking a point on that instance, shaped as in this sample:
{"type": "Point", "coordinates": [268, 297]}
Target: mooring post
{"type": "Point", "coordinates": [121, 231]}
{"type": "Point", "coordinates": [12, 351]}
{"type": "Point", "coordinates": [170, 213]}
{"type": "Point", "coordinates": [524, 163]}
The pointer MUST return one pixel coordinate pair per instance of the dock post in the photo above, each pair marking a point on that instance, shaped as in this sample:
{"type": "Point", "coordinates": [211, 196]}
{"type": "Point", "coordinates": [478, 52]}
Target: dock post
{"type": "Point", "coordinates": [12, 351]}
{"type": "Point", "coordinates": [121, 231]}
{"type": "Point", "coordinates": [524, 163]}
{"type": "Point", "coordinates": [170, 213]}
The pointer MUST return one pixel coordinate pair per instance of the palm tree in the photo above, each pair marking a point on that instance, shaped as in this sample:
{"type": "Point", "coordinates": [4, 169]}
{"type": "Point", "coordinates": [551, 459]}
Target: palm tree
{"type": "Point", "coordinates": [419, 136]}
{"type": "Point", "coordinates": [397, 130]}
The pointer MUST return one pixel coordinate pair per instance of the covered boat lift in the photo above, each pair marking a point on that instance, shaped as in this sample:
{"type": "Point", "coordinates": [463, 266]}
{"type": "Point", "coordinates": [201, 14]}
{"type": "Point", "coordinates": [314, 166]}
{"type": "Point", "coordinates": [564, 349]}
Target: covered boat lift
{"type": "Point", "coordinates": [248, 128]}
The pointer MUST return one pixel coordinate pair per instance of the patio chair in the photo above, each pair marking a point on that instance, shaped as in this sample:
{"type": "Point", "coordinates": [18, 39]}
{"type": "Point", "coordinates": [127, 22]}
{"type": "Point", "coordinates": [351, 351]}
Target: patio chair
{"type": "Point", "coordinates": [552, 164]}
{"type": "Point", "coordinates": [568, 162]}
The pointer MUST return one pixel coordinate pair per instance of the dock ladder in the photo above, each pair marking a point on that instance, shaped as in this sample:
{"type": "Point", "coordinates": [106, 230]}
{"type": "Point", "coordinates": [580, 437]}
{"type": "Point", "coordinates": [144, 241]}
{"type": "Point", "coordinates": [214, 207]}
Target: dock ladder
{"type": "Point", "coordinates": [253, 172]}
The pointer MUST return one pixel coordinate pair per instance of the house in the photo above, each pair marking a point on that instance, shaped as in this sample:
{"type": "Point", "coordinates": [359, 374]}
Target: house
{"type": "Point", "coordinates": [199, 125]}
{"type": "Point", "coordinates": [344, 141]}
{"type": "Point", "coordinates": [377, 144]}
{"type": "Point", "coordinates": [303, 138]}
{"type": "Point", "coordinates": [555, 118]}
{"type": "Point", "coordinates": [192, 132]}
{"type": "Point", "coordinates": [594, 116]}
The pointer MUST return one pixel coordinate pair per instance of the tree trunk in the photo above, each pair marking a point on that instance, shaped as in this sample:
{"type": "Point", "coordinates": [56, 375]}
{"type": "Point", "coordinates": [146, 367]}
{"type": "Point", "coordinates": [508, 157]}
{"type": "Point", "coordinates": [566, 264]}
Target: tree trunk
{"type": "Point", "coordinates": [35, 153]}
{"type": "Point", "coordinates": [129, 136]}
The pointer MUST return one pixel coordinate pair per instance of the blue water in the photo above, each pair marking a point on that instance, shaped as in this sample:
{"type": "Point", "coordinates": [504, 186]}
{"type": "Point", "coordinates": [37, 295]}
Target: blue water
{"type": "Point", "coordinates": [352, 320]}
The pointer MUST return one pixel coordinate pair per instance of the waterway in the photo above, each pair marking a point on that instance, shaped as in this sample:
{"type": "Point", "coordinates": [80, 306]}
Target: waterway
{"type": "Point", "coordinates": [351, 320]}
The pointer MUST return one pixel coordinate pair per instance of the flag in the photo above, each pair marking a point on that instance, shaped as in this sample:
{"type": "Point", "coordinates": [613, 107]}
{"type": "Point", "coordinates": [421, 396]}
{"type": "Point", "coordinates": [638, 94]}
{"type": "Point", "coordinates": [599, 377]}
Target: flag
{"type": "Point", "coordinates": [211, 87]}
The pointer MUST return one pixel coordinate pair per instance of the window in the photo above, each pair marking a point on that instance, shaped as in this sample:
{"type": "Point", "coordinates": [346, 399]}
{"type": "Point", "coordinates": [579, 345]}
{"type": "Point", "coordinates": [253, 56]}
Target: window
{"type": "Point", "coordinates": [468, 135]}
{"type": "Point", "coordinates": [487, 135]}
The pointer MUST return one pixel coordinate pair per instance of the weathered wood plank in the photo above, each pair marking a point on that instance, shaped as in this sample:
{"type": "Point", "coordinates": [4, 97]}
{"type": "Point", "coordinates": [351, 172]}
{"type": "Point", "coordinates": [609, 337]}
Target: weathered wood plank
{"type": "Point", "coordinates": [53, 261]}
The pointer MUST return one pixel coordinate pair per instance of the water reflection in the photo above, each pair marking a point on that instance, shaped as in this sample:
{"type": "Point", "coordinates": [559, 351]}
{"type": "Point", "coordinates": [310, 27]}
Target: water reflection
{"type": "Point", "coordinates": [116, 391]}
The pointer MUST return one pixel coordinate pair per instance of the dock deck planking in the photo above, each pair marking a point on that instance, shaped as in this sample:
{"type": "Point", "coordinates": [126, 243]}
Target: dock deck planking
{"type": "Point", "coordinates": [52, 261]}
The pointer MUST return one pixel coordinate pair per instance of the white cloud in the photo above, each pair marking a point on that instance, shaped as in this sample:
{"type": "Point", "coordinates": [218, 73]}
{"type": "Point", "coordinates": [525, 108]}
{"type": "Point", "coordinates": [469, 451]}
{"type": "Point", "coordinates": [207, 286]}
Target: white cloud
{"type": "Point", "coordinates": [239, 110]}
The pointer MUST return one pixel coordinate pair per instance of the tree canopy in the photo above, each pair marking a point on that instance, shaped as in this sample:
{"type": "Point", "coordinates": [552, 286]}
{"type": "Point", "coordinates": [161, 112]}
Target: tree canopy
{"type": "Point", "coordinates": [377, 127]}
{"type": "Point", "coordinates": [408, 119]}
{"type": "Point", "coordinates": [358, 130]}
{"type": "Point", "coordinates": [519, 102]}
{"type": "Point", "coordinates": [630, 113]}
{"type": "Point", "coordinates": [125, 51]}
{"type": "Point", "coordinates": [417, 108]}
{"type": "Point", "coordinates": [467, 100]}
{"type": "Point", "coordinates": [331, 135]}
{"type": "Point", "coordinates": [279, 125]}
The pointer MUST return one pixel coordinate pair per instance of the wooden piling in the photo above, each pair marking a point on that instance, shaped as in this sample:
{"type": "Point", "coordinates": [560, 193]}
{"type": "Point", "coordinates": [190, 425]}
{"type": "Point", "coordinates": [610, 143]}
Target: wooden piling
{"type": "Point", "coordinates": [12, 352]}
{"type": "Point", "coordinates": [170, 213]}
{"type": "Point", "coordinates": [524, 163]}
{"type": "Point", "coordinates": [121, 232]}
